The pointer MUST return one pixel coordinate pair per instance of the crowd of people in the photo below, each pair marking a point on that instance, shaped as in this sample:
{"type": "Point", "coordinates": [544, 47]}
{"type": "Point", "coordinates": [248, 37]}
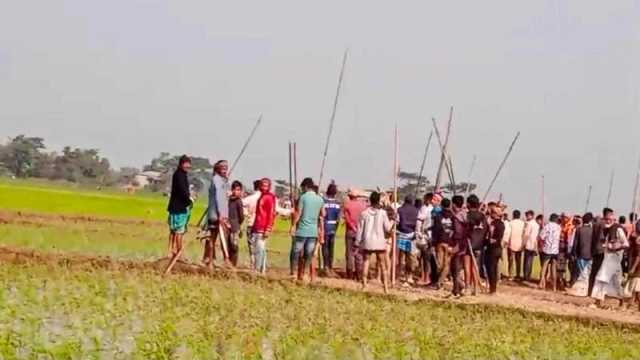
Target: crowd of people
{"type": "Point", "coordinates": [437, 240]}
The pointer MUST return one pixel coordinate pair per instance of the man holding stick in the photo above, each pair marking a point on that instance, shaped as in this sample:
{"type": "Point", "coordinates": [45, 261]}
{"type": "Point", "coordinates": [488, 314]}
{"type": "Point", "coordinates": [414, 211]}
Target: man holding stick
{"type": "Point", "coordinates": [477, 234]}
{"type": "Point", "coordinates": [179, 207]}
{"type": "Point", "coordinates": [218, 215]}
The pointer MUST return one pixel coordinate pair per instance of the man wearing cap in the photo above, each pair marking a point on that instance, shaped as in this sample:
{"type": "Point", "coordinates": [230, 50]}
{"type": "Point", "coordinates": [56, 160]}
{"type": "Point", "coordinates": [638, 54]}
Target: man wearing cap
{"type": "Point", "coordinates": [352, 209]}
{"type": "Point", "coordinates": [218, 211]}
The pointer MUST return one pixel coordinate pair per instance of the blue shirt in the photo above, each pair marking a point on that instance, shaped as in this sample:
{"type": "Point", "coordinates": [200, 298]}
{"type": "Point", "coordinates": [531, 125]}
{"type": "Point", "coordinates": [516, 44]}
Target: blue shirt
{"type": "Point", "coordinates": [332, 208]}
{"type": "Point", "coordinates": [310, 205]}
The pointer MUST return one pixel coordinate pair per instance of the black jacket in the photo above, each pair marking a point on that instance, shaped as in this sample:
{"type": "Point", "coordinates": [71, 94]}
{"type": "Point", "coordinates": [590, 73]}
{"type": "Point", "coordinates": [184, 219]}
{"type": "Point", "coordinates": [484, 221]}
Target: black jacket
{"type": "Point", "coordinates": [583, 242]}
{"type": "Point", "coordinates": [180, 198]}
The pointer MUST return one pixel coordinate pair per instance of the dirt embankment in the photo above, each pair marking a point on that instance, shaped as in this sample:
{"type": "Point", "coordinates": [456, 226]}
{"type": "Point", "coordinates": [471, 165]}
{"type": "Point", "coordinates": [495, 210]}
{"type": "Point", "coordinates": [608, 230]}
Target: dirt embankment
{"type": "Point", "coordinates": [34, 219]}
{"type": "Point", "coordinates": [511, 295]}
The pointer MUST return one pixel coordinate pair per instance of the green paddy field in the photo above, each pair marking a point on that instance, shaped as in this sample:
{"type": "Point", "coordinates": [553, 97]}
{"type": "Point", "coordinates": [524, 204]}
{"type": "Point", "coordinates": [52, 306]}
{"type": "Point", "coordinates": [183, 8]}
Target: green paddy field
{"type": "Point", "coordinates": [52, 311]}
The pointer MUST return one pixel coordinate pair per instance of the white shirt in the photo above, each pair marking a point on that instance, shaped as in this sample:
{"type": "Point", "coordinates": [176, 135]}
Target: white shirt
{"type": "Point", "coordinates": [550, 236]}
{"type": "Point", "coordinates": [249, 203]}
{"type": "Point", "coordinates": [507, 233]}
{"type": "Point", "coordinates": [530, 237]}
{"type": "Point", "coordinates": [517, 231]}
{"type": "Point", "coordinates": [425, 221]}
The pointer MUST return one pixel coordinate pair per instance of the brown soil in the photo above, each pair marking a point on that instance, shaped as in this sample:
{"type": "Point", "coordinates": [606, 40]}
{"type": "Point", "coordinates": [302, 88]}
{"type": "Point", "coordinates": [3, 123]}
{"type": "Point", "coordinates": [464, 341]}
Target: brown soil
{"type": "Point", "coordinates": [39, 220]}
{"type": "Point", "coordinates": [511, 295]}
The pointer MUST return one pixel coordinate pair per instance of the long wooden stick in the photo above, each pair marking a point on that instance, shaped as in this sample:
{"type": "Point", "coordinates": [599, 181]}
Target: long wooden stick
{"type": "Point", "coordinates": [475, 266]}
{"type": "Point", "coordinates": [424, 163]}
{"type": "Point", "coordinates": [291, 173]}
{"type": "Point", "coordinates": [333, 117]}
{"type": "Point", "coordinates": [295, 168]}
{"type": "Point", "coordinates": [543, 197]}
{"type": "Point", "coordinates": [586, 205]}
{"type": "Point", "coordinates": [495, 177]}
{"type": "Point", "coordinates": [452, 176]}
{"type": "Point", "coordinates": [634, 201]}
{"type": "Point", "coordinates": [175, 258]}
{"type": "Point", "coordinates": [235, 162]}
{"type": "Point", "coordinates": [245, 145]}
{"type": "Point", "coordinates": [223, 241]}
{"type": "Point", "coordinates": [442, 151]}
{"type": "Point", "coordinates": [613, 176]}
{"type": "Point", "coordinates": [394, 245]}
{"type": "Point", "coordinates": [443, 157]}
{"type": "Point", "coordinates": [473, 164]}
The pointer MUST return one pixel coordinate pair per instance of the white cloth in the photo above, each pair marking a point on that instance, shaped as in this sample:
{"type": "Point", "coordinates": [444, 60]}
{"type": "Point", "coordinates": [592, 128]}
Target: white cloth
{"type": "Point", "coordinates": [609, 279]}
{"type": "Point", "coordinates": [373, 225]}
{"type": "Point", "coordinates": [424, 223]}
{"type": "Point", "coordinates": [550, 236]}
{"type": "Point", "coordinates": [507, 233]}
{"type": "Point", "coordinates": [249, 204]}
{"type": "Point", "coordinates": [581, 286]}
{"type": "Point", "coordinates": [530, 237]}
{"type": "Point", "coordinates": [516, 242]}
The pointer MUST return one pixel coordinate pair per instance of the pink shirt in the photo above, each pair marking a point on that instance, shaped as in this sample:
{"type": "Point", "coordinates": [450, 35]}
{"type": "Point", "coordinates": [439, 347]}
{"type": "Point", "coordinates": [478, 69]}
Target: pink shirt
{"type": "Point", "coordinates": [352, 211]}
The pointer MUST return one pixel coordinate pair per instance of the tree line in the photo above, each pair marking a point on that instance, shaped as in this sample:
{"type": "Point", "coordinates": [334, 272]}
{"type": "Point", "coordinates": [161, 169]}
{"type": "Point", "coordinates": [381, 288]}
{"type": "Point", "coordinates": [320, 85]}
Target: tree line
{"type": "Point", "coordinates": [26, 157]}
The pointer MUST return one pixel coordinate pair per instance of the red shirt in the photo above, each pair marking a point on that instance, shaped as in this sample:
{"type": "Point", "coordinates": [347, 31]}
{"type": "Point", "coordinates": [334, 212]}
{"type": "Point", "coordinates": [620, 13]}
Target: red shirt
{"type": "Point", "coordinates": [265, 213]}
{"type": "Point", "coordinates": [352, 211]}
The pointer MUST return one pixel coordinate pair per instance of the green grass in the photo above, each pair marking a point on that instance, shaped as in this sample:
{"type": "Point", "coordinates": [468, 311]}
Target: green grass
{"type": "Point", "coordinates": [131, 241]}
{"type": "Point", "coordinates": [57, 313]}
{"type": "Point", "coordinates": [60, 200]}
{"type": "Point", "coordinates": [137, 241]}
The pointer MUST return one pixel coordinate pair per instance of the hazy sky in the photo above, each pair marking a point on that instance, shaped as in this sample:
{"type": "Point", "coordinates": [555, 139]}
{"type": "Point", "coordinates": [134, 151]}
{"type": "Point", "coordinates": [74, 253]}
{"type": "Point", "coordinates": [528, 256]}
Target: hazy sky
{"type": "Point", "coordinates": [134, 78]}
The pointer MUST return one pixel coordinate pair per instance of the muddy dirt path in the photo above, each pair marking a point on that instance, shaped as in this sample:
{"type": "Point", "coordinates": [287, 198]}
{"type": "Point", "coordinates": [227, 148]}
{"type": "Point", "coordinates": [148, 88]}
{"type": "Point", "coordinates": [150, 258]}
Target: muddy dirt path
{"type": "Point", "coordinates": [37, 219]}
{"type": "Point", "coordinates": [511, 295]}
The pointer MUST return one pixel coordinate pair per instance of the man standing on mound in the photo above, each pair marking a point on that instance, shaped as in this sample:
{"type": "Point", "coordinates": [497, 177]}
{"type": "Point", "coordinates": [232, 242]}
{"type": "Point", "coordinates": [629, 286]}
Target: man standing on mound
{"type": "Point", "coordinates": [179, 208]}
{"type": "Point", "coordinates": [265, 216]}
{"type": "Point", "coordinates": [373, 227]}
{"type": "Point", "coordinates": [308, 218]}
{"type": "Point", "coordinates": [218, 216]}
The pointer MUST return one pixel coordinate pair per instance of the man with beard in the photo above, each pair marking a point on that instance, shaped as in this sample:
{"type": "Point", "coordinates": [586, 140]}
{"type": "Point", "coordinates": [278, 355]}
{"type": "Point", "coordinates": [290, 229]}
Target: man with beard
{"type": "Point", "coordinates": [612, 238]}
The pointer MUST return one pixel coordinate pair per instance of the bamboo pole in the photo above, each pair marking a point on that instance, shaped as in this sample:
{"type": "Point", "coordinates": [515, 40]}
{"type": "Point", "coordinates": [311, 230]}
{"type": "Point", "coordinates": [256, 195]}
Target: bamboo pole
{"type": "Point", "coordinates": [473, 164]}
{"type": "Point", "coordinates": [443, 157]}
{"type": "Point", "coordinates": [333, 116]}
{"type": "Point", "coordinates": [235, 162]}
{"type": "Point", "coordinates": [515, 139]}
{"type": "Point", "coordinates": [394, 245]}
{"type": "Point", "coordinates": [634, 201]}
{"type": "Point", "coordinates": [586, 205]}
{"type": "Point", "coordinates": [452, 176]}
{"type": "Point", "coordinates": [442, 151]}
{"type": "Point", "coordinates": [613, 176]}
{"type": "Point", "coordinates": [291, 185]}
{"type": "Point", "coordinates": [543, 196]}
{"type": "Point", "coordinates": [245, 145]}
{"type": "Point", "coordinates": [424, 162]}
{"type": "Point", "coordinates": [295, 169]}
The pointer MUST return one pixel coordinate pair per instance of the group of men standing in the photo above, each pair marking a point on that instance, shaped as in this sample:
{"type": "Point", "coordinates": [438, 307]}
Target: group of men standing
{"type": "Point", "coordinates": [437, 239]}
{"type": "Point", "coordinates": [226, 212]}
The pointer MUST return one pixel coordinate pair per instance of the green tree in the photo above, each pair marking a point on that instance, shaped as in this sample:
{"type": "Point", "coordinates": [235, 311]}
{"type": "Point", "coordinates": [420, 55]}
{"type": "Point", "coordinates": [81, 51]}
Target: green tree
{"type": "Point", "coordinates": [80, 165]}
{"type": "Point", "coordinates": [20, 154]}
